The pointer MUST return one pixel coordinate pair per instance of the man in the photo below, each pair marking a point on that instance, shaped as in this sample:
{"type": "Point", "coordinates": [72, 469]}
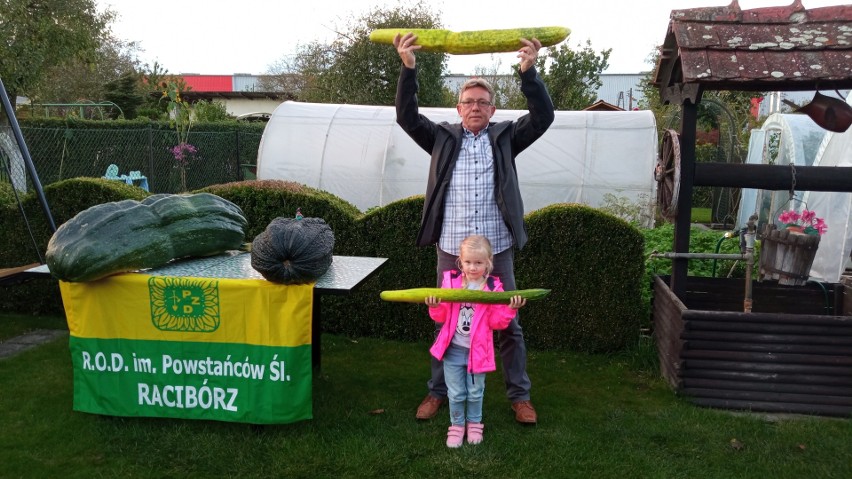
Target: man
{"type": "Point", "coordinates": [473, 189]}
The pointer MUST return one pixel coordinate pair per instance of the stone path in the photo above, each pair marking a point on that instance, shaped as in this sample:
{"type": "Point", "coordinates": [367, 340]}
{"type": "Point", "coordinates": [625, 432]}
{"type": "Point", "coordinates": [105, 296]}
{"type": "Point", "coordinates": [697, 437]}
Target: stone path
{"type": "Point", "coordinates": [27, 341]}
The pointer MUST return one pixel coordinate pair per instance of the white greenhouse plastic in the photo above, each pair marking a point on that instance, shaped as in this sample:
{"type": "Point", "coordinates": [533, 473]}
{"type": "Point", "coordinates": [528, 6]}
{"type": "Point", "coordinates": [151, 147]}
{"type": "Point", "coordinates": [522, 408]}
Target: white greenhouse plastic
{"type": "Point", "coordinates": [835, 246]}
{"type": "Point", "coordinates": [798, 141]}
{"type": "Point", "coordinates": [802, 142]}
{"type": "Point", "coordinates": [360, 154]}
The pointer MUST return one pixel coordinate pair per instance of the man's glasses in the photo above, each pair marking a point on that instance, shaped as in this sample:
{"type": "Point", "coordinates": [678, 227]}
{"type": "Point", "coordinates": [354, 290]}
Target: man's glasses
{"type": "Point", "coordinates": [470, 103]}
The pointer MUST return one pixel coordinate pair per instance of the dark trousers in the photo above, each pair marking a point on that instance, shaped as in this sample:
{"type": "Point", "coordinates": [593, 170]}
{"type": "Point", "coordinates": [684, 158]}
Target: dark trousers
{"type": "Point", "coordinates": [513, 350]}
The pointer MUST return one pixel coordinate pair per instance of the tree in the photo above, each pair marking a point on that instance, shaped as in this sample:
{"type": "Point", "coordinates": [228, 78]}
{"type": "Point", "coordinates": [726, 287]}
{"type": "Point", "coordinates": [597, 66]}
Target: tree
{"type": "Point", "coordinates": [125, 93]}
{"type": "Point", "coordinates": [724, 117]}
{"type": "Point", "coordinates": [572, 76]}
{"type": "Point", "coordinates": [507, 89]}
{"type": "Point", "coordinates": [154, 83]}
{"type": "Point", "coordinates": [351, 69]}
{"type": "Point", "coordinates": [79, 79]}
{"type": "Point", "coordinates": [39, 35]}
{"type": "Point", "coordinates": [733, 107]}
{"type": "Point", "coordinates": [209, 111]}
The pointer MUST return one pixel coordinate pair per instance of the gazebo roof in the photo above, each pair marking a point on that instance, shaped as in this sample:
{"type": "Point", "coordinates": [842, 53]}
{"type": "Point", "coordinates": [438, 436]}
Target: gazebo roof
{"type": "Point", "coordinates": [764, 49]}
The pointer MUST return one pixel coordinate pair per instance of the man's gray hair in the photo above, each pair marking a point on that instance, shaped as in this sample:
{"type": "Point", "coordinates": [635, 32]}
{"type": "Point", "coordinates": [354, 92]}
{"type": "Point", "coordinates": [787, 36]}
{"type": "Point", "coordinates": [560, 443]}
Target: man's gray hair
{"type": "Point", "coordinates": [477, 82]}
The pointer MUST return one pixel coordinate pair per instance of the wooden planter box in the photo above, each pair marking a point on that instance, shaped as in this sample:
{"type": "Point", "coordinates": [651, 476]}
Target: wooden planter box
{"type": "Point", "coordinates": [792, 354]}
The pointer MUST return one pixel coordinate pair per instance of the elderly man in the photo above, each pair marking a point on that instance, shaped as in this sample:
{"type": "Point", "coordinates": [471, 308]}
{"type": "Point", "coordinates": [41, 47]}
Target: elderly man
{"type": "Point", "coordinates": [473, 189]}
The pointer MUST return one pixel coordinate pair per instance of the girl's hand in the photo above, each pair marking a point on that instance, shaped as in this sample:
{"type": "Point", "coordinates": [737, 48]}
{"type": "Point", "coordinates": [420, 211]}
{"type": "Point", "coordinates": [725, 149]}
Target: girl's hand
{"type": "Point", "coordinates": [432, 301]}
{"type": "Point", "coordinates": [517, 302]}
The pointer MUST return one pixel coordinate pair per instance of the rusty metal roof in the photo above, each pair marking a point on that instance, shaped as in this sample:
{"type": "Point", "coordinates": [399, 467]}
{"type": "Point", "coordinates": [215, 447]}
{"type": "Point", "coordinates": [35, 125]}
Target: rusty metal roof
{"type": "Point", "coordinates": [764, 49]}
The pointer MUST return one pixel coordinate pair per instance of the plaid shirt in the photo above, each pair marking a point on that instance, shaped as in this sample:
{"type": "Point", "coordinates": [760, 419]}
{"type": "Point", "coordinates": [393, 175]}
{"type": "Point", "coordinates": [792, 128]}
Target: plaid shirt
{"type": "Point", "coordinates": [470, 207]}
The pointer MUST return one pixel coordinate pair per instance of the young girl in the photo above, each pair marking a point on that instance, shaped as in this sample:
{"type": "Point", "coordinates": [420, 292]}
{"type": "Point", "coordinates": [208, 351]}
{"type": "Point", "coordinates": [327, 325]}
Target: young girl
{"type": "Point", "coordinates": [465, 342]}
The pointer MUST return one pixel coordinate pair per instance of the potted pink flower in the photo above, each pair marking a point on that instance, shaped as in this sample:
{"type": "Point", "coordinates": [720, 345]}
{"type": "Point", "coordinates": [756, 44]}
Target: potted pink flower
{"type": "Point", "coordinates": [805, 222]}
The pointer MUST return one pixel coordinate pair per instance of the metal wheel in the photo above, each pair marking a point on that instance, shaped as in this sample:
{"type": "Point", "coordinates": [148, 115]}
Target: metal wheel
{"type": "Point", "coordinates": [667, 175]}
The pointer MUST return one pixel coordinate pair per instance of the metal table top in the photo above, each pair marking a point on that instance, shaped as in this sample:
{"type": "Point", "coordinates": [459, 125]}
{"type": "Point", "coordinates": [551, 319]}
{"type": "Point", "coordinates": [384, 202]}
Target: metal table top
{"type": "Point", "coordinates": [345, 273]}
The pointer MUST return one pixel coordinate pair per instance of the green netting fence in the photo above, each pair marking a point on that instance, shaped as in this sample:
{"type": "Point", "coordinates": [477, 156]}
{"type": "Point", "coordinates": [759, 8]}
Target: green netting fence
{"type": "Point", "coordinates": [62, 153]}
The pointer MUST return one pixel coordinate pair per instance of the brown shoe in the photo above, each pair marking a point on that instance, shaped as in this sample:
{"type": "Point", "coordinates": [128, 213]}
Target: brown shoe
{"type": "Point", "coordinates": [524, 412]}
{"type": "Point", "coordinates": [429, 407]}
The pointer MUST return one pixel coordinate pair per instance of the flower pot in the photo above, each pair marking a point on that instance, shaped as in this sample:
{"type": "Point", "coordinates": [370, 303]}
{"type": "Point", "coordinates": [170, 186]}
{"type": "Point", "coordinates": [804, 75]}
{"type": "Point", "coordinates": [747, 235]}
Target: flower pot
{"type": "Point", "coordinates": [786, 255]}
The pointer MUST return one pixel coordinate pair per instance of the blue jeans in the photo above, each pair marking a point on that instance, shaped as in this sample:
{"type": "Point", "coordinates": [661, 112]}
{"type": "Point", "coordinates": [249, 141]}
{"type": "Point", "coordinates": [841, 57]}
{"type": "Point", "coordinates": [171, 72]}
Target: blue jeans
{"type": "Point", "coordinates": [463, 389]}
{"type": "Point", "coordinates": [513, 349]}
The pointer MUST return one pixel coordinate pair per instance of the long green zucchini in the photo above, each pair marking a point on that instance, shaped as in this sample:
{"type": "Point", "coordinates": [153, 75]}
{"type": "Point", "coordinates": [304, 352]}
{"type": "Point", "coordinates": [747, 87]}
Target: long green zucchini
{"type": "Point", "coordinates": [419, 295]}
{"type": "Point", "coordinates": [474, 41]}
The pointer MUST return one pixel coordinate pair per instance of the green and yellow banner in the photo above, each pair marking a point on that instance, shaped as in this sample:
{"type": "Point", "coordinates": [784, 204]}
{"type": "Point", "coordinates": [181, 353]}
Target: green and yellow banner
{"type": "Point", "coordinates": [194, 348]}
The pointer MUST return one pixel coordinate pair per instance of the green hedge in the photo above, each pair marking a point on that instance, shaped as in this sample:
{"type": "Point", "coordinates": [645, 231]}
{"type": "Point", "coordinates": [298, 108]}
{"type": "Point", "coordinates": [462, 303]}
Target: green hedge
{"type": "Point", "coordinates": [388, 232]}
{"type": "Point", "coordinates": [264, 200]}
{"type": "Point", "coordinates": [7, 194]}
{"type": "Point", "coordinates": [17, 237]}
{"type": "Point", "coordinates": [593, 262]}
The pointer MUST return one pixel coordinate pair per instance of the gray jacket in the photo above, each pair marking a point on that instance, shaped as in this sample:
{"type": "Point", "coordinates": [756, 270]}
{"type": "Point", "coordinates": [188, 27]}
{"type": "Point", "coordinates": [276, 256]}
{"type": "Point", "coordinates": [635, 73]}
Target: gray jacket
{"type": "Point", "coordinates": [443, 142]}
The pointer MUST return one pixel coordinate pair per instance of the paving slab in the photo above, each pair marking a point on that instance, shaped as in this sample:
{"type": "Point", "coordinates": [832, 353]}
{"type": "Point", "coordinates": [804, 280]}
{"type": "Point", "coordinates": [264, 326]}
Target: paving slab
{"type": "Point", "coordinates": [24, 342]}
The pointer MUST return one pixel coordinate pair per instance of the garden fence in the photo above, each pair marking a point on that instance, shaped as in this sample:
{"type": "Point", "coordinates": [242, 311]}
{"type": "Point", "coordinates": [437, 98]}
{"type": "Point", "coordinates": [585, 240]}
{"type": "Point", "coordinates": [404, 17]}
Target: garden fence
{"type": "Point", "coordinates": [60, 153]}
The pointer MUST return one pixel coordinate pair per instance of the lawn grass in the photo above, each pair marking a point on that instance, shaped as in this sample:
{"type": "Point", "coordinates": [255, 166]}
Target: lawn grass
{"type": "Point", "coordinates": [600, 417]}
{"type": "Point", "coordinates": [701, 215]}
{"type": "Point", "coordinates": [12, 325]}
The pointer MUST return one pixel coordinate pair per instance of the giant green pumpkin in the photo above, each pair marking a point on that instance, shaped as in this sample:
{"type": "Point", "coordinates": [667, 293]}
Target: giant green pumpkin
{"type": "Point", "coordinates": [293, 250]}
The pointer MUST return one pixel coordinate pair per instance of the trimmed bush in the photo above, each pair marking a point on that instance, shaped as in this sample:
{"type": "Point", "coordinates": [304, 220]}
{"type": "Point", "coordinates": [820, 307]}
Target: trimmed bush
{"type": "Point", "coordinates": [593, 263]}
{"type": "Point", "coordinates": [387, 232]}
{"type": "Point", "coordinates": [264, 200]}
{"type": "Point", "coordinates": [7, 194]}
{"type": "Point", "coordinates": [65, 198]}
{"type": "Point", "coordinates": [19, 238]}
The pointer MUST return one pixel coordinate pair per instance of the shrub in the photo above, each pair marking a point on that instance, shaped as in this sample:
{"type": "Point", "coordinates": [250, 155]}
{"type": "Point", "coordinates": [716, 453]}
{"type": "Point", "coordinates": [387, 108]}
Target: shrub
{"type": "Point", "coordinates": [19, 239]}
{"type": "Point", "coordinates": [65, 198]}
{"type": "Point", "coordinates": [388, 232]}
{"type": "Point", "coordinates": [593, 263]}
{"type": "Point", "coordinates": [264, 200]}
{"type": "Point", "coordinates": [7, 194]}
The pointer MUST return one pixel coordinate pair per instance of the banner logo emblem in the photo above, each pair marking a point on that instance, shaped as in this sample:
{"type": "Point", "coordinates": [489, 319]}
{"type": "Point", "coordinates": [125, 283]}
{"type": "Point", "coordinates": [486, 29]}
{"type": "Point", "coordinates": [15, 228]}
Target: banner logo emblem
{"type": "Point", "coordinates": [184, 304]}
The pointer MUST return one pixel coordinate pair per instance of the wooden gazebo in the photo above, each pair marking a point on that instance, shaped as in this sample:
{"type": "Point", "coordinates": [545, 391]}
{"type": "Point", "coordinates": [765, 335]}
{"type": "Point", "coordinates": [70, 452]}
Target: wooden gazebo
{"type": "Point", "coordinates": [793, 351]}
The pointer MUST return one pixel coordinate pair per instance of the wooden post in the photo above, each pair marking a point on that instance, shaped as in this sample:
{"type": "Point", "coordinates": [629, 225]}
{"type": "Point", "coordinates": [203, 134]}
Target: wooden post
{"type": "Point", "coordinates": [688, 125]}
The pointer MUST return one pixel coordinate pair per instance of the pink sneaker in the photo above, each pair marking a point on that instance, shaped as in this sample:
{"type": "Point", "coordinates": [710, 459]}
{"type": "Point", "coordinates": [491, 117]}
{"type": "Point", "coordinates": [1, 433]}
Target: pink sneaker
{"type": "Point", "coordinates": [455, 434]}
{"type": "Point", "coordinates": [474, 432]}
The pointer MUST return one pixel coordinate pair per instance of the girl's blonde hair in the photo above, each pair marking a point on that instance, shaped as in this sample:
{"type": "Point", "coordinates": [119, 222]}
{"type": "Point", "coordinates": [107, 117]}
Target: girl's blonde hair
{"type": "Point", "coordinates": [477, 243]}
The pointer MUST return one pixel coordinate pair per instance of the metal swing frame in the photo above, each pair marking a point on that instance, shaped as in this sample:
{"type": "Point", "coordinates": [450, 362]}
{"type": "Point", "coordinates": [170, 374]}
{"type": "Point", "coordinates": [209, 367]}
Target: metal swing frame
{"type": "Point", "coordinates": [18, 274]}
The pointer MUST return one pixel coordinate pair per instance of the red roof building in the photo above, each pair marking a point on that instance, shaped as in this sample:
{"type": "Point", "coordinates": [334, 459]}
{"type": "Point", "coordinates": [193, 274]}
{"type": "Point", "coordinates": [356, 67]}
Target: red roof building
{"type": "Point", "coordinates": [205, 83]}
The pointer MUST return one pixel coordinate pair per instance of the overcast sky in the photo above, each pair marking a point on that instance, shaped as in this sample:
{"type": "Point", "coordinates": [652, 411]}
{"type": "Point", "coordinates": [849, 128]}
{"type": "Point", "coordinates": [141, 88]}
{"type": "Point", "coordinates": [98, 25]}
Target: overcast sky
{"type": "Point", "coordinates": [247, 36]}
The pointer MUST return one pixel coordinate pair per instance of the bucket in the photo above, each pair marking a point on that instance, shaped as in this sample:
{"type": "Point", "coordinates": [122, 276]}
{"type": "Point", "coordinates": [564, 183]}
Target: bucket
{"type": "Point", "coordinates": [786, 255]}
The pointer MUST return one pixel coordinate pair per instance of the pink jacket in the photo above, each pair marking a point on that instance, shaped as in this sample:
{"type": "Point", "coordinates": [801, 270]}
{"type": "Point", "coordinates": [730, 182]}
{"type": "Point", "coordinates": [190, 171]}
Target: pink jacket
{"type": "Point", "coordinates": [486, 318]}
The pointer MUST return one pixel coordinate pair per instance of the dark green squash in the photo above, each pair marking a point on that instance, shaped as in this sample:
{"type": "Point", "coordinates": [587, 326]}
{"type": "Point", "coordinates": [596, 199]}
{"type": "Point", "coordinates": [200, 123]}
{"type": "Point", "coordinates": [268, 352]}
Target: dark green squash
{"type": "Point", "coordinates": [293, 250]}
{"type": "Point", "coordinates": [129, 235]}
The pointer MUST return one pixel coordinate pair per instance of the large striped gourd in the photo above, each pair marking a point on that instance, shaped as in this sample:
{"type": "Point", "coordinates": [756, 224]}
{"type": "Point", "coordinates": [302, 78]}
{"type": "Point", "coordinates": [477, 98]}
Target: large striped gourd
{"type": "Point", "coordinates": [419, 295]}
{"type": "Point", "coordinates": [129, 235]}
{"type": "Point", "coordinates": [475, 41]}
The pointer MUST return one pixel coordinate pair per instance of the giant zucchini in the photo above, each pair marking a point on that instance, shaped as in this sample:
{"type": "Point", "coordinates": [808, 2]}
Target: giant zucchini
{"type": "Point", "coordinates": [419, 295]}
{"type": "Point", "coordinates": [129, 235]}
{"type": "Point", "coordinates": [475, 41]}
